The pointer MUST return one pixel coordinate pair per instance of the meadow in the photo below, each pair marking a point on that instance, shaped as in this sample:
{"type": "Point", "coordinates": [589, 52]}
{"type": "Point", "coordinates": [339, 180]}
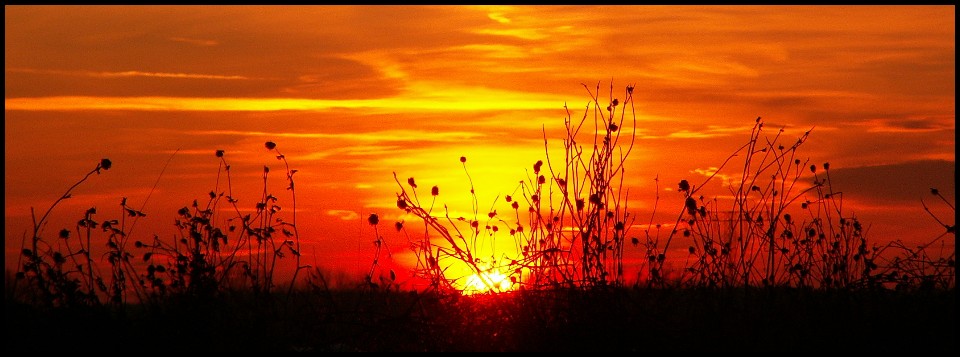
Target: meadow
{"type": "Point", "coordinates": [773, 264]}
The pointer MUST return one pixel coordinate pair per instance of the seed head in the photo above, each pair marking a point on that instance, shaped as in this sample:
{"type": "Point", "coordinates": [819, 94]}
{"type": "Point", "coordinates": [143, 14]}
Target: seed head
{"type": "Point", "coordinates": [691, 205]}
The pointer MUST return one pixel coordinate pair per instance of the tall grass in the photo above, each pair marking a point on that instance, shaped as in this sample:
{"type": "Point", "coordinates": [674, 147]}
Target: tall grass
{"type": "Point", "coordinates": [217, 249]}
{"type": "Point", "coordinates": [782, 224]}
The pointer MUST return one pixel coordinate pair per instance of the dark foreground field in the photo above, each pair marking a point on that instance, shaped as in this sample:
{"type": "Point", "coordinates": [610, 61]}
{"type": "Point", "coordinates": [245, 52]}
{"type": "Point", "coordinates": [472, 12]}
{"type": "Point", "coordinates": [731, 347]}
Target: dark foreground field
{"type": "Point", "coordinates": [615, 320]}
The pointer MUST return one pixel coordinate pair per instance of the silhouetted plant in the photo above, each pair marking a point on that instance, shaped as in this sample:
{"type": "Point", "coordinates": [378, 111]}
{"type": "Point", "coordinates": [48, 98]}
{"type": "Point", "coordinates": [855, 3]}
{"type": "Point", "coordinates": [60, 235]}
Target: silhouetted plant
{"type": "Point", "coordinates": [576, 212]}
{"type": "Point", "coordinates": [206, 257]}
{"type": "Point", "coordinates": [44, 270]}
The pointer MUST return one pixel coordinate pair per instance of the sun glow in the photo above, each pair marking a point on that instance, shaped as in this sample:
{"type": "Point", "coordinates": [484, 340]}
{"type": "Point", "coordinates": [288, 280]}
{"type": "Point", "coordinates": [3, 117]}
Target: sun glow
{"type": "Point", "coordinates": [491, 281]}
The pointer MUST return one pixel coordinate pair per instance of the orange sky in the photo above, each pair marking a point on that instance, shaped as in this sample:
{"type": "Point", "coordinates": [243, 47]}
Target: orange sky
{"type": "Point", "coordinates": [353, 93]}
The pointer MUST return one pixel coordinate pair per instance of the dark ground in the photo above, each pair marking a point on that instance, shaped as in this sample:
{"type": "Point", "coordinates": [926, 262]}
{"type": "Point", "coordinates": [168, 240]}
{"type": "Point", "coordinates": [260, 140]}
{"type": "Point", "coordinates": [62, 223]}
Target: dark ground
{"type": "Point", "coordinates": [735, 320]}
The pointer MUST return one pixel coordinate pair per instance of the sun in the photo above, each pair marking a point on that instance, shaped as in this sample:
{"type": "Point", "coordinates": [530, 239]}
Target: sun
{"type": "Point", "coordinates": [492, 281]}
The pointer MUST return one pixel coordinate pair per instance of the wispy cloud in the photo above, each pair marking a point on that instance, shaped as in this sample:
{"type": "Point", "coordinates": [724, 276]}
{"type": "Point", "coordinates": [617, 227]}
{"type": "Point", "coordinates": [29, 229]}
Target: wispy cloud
{"type": "Point", "coordinates": [909, 125]}
{"type": "Point", "coordinates": [452, 100]}
{"type": "Point", "coordinates": [498, 17]}
{"type": "Point", "coordinates": [195, 41]}
{"type": "Point", "coordinates": [379, 136]}
{"type": "Point", "coordinates": [345, 215]}
{"type": "Point", "coordinates": [713, 171]}
{"type": "Point", "coordinates": [125, 74]}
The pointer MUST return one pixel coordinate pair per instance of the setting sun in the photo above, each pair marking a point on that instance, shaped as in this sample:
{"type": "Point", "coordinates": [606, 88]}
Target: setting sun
{"type": "Point", "coordinates": [487, 282]}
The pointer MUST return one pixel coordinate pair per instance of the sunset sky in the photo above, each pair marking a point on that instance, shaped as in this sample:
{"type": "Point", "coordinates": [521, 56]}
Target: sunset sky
{"type": "Point", "coordinates": [351, 94]}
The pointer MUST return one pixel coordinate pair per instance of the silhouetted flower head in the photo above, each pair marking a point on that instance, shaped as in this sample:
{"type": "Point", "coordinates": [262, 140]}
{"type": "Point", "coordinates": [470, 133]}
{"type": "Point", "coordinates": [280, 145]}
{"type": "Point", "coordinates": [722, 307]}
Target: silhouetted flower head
{"type": "Point", "coordinates": [934, 191]}
{"type": "Point", "coordinates": [106, 164]}
{"type": "Point", "coordinates": [684, 185]}
{"type": "Point", "coordinates": [270, 145]}
{"type": "Point", "coordinates": [64, 233]}
{"type": "Point", "coordinates": [373, 219]}
{"type": "Point", "coordinates": [219, 153]}
{"type": "Point", "coordinates": [691, 205]}
{"type": "Point", "coordinates": [595, 199]}
{"type": "Point", "coordinates": [463, 159]}
{"type": "Point", "coordinates": [58, 258]}
{"type": "Point", "coordinates": [435, 190]}
{"type": "Point", "coordinates": [411, 182]}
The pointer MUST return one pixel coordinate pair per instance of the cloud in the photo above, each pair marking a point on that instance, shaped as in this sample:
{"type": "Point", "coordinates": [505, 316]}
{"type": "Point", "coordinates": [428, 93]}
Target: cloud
{"type": "Point", "coordinates": [124, 74]}
{"type": "Point", "coordinates": [498, 17]}
{"type": "Point", "coordinates": [194, 41]}
{"type": "Point", "coordinates": [379, 136]}
{"type": "Point", "coordinates": [908, 181]}
{"type": "Point", "coordinates": [345, 215]}
{"type": "Point", "coordinates": [713, 172]}
{"type": "Point", "coordinates": [909, 125]}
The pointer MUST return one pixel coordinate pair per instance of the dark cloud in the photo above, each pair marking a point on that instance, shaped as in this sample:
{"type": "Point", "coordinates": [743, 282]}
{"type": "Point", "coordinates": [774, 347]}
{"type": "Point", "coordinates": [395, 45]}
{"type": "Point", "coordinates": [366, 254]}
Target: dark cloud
{"type": "Point", "coordinates": [907, 181]}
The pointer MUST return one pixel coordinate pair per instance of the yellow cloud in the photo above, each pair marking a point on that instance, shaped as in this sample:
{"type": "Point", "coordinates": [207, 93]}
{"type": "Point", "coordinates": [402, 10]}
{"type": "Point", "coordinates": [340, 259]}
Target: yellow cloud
{"type": "Point", "coordinates": [424, 100]}
{"type": "Point", "coordinates": [345, 215]}
{"type": "Point", "coordinates": [498, 17]}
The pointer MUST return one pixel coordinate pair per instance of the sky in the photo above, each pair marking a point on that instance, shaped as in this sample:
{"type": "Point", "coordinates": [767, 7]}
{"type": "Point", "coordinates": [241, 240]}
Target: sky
{"type": "Point", "coordinates": [353, 94]}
